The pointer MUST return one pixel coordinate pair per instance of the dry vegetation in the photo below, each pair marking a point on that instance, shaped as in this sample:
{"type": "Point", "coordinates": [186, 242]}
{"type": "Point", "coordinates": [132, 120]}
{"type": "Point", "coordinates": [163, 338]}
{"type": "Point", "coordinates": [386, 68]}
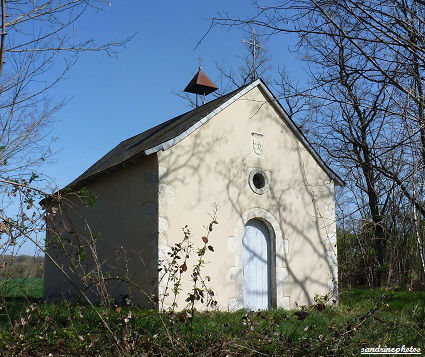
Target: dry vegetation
{"type": "Point", "coordinates": [21, 266]}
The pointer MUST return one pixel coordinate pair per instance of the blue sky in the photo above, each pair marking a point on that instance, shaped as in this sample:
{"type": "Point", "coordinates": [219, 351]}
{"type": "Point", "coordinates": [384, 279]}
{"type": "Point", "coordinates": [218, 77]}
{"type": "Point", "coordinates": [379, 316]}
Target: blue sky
{"type": "Point", "coordinates": [111, 99]}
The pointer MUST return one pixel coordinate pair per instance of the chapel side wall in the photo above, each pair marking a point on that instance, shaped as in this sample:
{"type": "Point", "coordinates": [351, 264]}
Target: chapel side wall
{"type": "Point", "coordinates": [124, 219]}
{"type": "Point", "coordinates": [211, 165]}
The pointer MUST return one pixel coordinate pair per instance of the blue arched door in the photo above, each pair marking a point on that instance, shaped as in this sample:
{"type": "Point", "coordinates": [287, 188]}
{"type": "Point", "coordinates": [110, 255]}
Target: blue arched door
{"type": "Point", "coordinates": [256, 266]}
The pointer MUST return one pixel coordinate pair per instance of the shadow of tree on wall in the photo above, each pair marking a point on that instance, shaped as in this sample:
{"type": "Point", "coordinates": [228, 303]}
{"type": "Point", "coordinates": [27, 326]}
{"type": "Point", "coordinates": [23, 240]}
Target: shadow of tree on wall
{"type": "Point", "coordinates": [204, 153]}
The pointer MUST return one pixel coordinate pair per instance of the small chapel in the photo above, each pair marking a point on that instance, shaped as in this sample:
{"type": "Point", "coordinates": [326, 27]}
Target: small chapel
{"type": "Point", "coordinates": [239, 154]}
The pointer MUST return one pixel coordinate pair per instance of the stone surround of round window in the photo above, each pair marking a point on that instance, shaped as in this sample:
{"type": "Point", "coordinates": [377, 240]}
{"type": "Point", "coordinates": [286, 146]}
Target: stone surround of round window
{"type": "Point", "coordinates": [258, 181]}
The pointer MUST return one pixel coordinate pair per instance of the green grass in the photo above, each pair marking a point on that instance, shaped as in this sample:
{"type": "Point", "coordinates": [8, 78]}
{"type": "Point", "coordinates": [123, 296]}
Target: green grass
{"type": "Point", "coordinates": [30, 289]}
{"type": "Point", "coordinates": [364, 318]}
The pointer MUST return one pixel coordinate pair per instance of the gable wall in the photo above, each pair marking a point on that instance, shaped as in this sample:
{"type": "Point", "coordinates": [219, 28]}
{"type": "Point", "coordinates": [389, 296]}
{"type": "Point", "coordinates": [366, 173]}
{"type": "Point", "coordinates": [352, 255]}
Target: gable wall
{"type": "Point", "coordinates": [212, 165]}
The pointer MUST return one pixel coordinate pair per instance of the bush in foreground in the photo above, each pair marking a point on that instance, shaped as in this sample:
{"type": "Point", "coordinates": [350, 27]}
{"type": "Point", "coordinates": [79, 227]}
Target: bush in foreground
{"type": "Point", "coordinates": [364, 318]}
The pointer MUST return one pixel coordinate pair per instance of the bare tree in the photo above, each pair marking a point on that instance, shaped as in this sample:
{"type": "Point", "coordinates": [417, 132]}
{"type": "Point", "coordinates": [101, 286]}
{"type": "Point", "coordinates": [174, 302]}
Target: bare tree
{"type": "Point", "coordinates": [37, 49]}
{"type": "Point", "coordinates": [254, 64]}
{"type": "Point", "coordinates": [38, 46]}
{"type": "Point", "coordinates": [366, 63]}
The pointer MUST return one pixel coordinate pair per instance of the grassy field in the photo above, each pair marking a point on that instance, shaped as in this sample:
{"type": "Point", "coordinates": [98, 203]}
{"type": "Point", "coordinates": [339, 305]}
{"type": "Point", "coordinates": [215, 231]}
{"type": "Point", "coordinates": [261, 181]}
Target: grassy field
{"type": "Point", "coordinates": [22, 289]}
{"type": "Point", "coordinates": [364, 318]}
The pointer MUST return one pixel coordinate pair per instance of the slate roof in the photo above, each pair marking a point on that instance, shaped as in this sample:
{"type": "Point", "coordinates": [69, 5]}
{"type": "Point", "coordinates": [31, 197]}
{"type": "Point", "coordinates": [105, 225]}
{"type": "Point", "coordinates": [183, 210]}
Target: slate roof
{"type": "Point", "coordinates": [172, 131]}
{"type": "Point", "coordinates": [135, 146]}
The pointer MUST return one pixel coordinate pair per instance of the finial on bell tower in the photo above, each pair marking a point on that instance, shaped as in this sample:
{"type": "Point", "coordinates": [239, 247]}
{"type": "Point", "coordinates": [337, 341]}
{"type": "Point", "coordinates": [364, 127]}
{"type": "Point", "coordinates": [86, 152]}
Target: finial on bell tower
{"type": "Point", "coordinates": [200, 59]}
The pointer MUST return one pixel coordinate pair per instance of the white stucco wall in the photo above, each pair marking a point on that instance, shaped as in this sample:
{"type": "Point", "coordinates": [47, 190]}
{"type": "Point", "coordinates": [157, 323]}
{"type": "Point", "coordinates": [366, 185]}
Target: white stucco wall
{"type": "Point", "coordinates": [212, 165]}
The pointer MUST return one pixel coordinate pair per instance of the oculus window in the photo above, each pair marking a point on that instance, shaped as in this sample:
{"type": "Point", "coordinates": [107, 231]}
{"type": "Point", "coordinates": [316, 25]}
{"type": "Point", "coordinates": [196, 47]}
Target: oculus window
{"type": "Point", "coordinates": [258, 181]}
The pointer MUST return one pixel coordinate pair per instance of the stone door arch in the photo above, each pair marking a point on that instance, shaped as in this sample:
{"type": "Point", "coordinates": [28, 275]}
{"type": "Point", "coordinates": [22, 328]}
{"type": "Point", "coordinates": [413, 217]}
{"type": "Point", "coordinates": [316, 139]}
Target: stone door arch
{"type": "Point", "coordinates": [279, 250]}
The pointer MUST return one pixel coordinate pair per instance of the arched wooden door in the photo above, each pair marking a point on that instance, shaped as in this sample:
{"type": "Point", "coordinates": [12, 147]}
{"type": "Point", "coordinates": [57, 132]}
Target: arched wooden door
{"type": "Point", "coordinates": [256, 266]}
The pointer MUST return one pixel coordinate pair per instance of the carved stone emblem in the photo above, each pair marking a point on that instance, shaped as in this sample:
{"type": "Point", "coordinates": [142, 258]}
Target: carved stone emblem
{"type": "Point", "coordinates": [257, 144]}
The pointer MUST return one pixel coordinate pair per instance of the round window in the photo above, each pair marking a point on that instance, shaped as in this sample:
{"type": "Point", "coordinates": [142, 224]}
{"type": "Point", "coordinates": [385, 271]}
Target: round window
{"type": "Point", "coordinates": [258, 181]}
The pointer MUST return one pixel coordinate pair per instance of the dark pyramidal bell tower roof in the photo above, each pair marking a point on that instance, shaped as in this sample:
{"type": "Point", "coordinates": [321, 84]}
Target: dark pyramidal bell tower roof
{"type": "Point", "coordinates": [200, 84]}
